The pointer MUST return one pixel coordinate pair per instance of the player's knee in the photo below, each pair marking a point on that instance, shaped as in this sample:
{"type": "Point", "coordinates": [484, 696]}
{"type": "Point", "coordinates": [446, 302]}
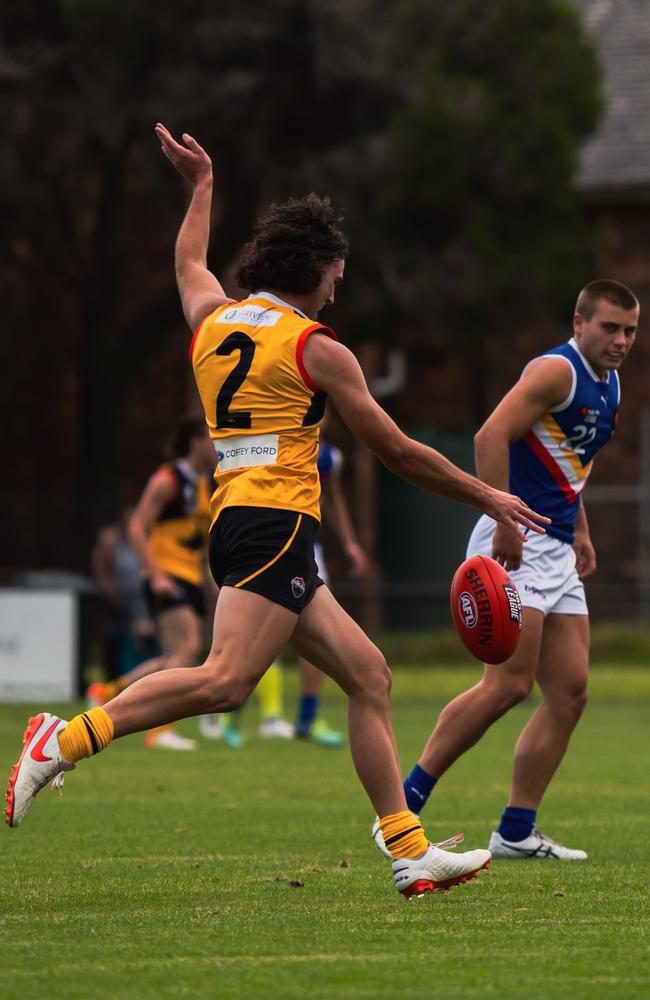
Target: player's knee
{"type": "Point", "coordinates": [579, 701]}
{"type": "Point", "coordinates": [520, 688]}
{"type": "Point", "coordinates": [231, 697]}
{"type": "Point", "coordinates": [223, 689]}
{"type": "Point", "coordinates": [571, 701]}
{"type": "Point", "coordinates": [515, 690]}
{"type": "Point", "coordinates": [374, 678]}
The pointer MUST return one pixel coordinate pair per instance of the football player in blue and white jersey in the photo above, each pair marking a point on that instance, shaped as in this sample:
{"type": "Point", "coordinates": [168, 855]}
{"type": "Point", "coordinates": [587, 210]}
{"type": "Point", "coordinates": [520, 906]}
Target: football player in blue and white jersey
{"type": "Point", "coordinates": [540, 443]}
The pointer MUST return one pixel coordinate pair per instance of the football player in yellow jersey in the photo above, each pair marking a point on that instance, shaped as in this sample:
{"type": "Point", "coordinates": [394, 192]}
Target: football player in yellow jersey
{"type": "Point", "coordinates": [168, 530]}
{"type": "Point", "coordinates": [263, 367]}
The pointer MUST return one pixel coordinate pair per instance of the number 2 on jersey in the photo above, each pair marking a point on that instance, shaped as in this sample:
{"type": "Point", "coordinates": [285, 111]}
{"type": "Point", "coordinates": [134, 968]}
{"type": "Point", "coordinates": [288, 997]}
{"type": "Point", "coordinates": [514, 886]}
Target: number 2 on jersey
{"type": "Point", "coordinates": [246, 346]}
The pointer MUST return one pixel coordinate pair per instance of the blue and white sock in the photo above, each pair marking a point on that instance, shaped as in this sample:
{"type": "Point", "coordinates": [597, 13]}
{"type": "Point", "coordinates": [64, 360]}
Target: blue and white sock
{"type": "Point", "coordinates": [517, 824]}
{"type": "Point", "coordinates": [417, 788]}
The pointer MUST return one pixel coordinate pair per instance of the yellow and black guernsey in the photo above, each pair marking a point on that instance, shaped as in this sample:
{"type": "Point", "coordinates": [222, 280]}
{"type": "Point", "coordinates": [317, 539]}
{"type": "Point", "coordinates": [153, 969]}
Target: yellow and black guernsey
{"type": "Point", "coordinates": [178, 536]}
{"type": "Point", "coordinates": [261, 407]}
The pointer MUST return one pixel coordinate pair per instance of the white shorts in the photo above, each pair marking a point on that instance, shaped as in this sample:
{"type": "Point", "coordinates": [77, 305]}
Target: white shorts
{"type": "Point", "coordinates": [547, 578]}
{"type": "Point", "coordinates": [320, 562]}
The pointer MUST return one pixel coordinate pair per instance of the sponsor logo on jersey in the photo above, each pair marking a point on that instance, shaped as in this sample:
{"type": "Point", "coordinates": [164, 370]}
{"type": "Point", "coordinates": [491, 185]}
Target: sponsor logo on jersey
{"type": "Point", "coordinates": [297, 587]}
{"type": "Point", "coordinates": [467, 609]}
{"type": "Point", "coordinates": [245, 451]}
{"type": "Point", "coordinates": [250, 315]}
{"type": "Point", "coordinates": [590, 416]}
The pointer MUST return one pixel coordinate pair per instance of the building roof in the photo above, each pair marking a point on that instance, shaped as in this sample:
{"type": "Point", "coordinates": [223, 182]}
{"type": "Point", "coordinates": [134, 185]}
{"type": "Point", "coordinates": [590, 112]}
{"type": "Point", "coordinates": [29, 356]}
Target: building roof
{"type": "Point", "coordinates": [618, 154]}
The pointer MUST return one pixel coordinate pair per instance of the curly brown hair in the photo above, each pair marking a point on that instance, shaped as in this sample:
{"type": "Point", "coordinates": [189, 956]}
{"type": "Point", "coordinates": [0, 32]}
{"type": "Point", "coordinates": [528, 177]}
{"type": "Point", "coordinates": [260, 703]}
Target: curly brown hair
{"type": "Point", "coordinates": [291, 247]}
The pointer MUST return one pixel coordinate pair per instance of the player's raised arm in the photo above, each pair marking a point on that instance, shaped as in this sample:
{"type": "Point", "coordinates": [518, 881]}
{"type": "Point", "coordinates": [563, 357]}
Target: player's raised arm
{"type": "Point", "coordinates": [335, 370]}
{"type": "Point", "coordinates": [200, 291]}
{"type": "Point", "coordinates": [158, 492]}
{"type": "Point", "coordinates": [545, 383]}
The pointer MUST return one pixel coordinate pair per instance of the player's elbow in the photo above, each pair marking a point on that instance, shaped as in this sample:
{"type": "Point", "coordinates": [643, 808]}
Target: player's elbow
{"type": "Point", "coordinates": [487, 439]}
{"type": "Point", "coordinates": [483, 437]}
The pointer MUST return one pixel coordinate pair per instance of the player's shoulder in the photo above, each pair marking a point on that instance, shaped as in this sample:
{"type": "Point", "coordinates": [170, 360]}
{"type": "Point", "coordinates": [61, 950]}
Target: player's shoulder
{"type": "Point", "coordinates": [551, 370]}
{"type": "Point", "coordinates": [166, 478]}
{"type": "Point", "coordinates": [322, 347]}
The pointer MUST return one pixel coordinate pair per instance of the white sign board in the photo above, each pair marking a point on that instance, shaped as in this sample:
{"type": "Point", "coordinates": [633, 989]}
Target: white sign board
{"type": "Point", "coordinates": [38, 645]}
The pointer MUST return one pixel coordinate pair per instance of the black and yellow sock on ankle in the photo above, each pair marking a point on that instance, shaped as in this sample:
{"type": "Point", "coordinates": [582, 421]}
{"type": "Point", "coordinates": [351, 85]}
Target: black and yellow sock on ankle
{"type": "Point", "coordinates": [403, 835]}
{"type": "Point", "coordinates": [86, 735]}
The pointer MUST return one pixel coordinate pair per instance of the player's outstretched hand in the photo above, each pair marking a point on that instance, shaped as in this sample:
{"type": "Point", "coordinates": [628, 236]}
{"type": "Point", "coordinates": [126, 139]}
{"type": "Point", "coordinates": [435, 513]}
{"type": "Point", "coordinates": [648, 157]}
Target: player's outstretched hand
{"type": "Point", "coordinates": [512, 511]}
{"type": "Point", "coordinates": [190, 159]}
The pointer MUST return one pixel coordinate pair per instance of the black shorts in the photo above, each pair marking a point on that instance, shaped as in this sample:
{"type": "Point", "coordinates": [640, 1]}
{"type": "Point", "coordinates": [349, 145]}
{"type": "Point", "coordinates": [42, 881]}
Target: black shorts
{"type": "Point", "coordinates": [189, 595]}
{"type": "Point", "coordinates": [269, 552]}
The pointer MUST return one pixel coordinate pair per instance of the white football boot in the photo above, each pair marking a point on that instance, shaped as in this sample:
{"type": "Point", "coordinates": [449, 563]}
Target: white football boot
{"type": "Point", "coordinates": [210, 727]}
{"type": "Point", "coordinates": [168, 739]}
{"type": "Point", "coordinates": [40, 762]}
{"type": "Point", "coordinates": [276, 729]}
{"type": "Point", "coordinates": [535, 846]}
{"type": "Point", "coordinates": [437, 870]}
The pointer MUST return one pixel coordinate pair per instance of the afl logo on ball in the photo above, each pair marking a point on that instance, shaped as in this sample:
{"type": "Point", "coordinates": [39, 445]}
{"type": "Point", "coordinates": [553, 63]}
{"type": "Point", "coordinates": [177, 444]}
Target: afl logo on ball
{"type": "Point", "coordinates": [467, 609]}
{"type": "Point", "coordinates": [297, 587]}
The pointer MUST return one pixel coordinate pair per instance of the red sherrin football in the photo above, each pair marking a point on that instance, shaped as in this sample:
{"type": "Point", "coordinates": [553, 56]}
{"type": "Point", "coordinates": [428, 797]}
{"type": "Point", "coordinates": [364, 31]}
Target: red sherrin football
{"type": "Point", "coordinates": [486, 609]}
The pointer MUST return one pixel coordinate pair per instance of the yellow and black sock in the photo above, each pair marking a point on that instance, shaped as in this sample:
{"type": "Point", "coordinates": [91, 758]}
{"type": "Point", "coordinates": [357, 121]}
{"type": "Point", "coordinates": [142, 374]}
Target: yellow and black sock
{"type": "Point", "coordinates": [403, 835]}
{"type": "Point", "coordinates": [86, 735]}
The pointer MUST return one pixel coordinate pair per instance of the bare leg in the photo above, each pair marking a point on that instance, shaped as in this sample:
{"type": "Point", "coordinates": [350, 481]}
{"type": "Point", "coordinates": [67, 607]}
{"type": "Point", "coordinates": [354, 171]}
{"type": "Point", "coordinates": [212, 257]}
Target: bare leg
{"type": "Point", "coordinates": [249, 633]}
{"type": "Point", "coordinates": [562, 677]}
{"type": "Point", "coordinates": [465, 719]}
{"type": "Point", "coordinates": [330, 639]}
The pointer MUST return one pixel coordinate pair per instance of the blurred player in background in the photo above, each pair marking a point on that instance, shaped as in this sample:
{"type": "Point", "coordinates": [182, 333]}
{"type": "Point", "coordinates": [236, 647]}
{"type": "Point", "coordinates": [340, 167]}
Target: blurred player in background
{"type": "Point", "coordinates": [540, 442]}
{"type": "Point", "coordinates": [168, 530]}
{"type": "Point", "coordinates": [262, 368]}
{"type": "Point", "coordinates": [129, 631]}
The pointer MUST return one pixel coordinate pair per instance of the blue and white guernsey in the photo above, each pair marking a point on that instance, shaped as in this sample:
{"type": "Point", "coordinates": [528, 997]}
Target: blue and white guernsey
{"type": "Point", "coordinates": [550, 465]}
{"type": "Point", "coordinates": [330, 461]}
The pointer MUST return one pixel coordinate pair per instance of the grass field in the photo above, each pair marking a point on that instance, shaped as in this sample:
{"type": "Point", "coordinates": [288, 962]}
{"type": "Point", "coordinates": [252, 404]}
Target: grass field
{"type": "Point", "coordinates": [251, 873]}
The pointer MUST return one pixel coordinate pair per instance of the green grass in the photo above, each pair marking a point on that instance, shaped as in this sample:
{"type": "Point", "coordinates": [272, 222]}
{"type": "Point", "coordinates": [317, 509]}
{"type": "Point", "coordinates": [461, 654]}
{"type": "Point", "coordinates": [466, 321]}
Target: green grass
{"type": "Point", "coordinates": [165, 874]}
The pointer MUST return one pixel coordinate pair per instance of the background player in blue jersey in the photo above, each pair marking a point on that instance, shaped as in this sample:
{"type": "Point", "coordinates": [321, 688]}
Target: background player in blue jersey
{"type": "Point", "coordinates": [540, 442]}
{"type": "Point", "coordinates": [336, 514]}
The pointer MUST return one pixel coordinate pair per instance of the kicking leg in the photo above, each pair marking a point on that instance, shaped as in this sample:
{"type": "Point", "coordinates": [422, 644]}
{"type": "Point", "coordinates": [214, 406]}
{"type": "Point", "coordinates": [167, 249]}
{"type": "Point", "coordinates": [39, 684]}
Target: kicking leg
{"type": "Point", "coordinates": [332, 641]}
